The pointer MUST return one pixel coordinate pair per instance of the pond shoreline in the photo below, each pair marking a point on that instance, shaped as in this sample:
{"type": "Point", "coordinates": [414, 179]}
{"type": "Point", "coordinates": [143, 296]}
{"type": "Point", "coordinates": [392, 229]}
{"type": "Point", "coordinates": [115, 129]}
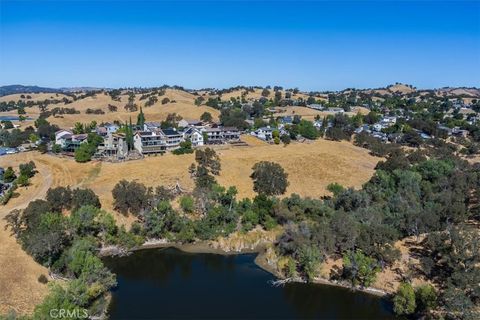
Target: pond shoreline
{"type": "Point", "coordinates": [260, 260]}
{"type": "Point", "coordinates": [203, 274]}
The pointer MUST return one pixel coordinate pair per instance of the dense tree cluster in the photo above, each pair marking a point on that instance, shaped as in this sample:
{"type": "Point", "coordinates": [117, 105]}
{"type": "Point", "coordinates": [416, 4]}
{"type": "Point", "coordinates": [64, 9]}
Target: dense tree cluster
{"type": "Point", "coordinates": [86, 150]}
{"type": "Point", "coordinates": [184, 148]}
{"type": "Point", "coordinates": [234, 118]}
{"type": "Point", "coordinates": [409, 195]}
{"type": "Point", "coordinates": [428, 192]}
{"type": "Point", "coordinates": [68, 245]}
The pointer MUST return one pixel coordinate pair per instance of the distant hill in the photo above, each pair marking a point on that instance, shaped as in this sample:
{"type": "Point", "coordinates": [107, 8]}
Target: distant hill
{"type": "Point", "coordinates": [17, 88]}
{"type": "Point", "coordinates": [461, 91]}
{"type": "Point", "coordinates": [81, 89]}
{"type": "Point", "coordinates": [256, 92]}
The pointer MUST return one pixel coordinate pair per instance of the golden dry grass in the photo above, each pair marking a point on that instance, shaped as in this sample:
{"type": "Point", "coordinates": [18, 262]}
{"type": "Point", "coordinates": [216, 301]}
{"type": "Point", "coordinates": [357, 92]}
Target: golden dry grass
{"type": "Point", "coordinates": [184, 107]}
{"type": "Point", "coordinates": [35, 97]}
{"type": "Point", "coordinates": [257, 94]}
{"type": "Point", "coordinates": [309, 114]}
{"type": "Point", "coordinates": [19, 286]}
{"type": "Point", "coordinates": [311, 167]}
{"type": "Point", "coordinates": [401, 88]}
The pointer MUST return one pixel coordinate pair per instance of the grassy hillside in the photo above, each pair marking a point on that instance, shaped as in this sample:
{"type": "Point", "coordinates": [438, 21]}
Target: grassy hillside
{"type": "Point", "coordinates": [184, 106]}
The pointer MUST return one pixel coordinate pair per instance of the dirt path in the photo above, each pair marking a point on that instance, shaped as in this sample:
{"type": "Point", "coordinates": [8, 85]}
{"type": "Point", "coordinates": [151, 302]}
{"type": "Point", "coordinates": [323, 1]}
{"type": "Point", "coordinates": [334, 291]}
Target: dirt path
{"type": "Point", "coordinates": [20, 290]}
{"type": "Point", "coordinates": [311, 167]}
{"type": "Point", "coordinates": [19, 286]}
{"type": "Point", "coordinates": [36, 191]}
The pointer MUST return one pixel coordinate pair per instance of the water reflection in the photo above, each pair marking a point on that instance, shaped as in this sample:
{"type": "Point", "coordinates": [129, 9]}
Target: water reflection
{"type": "Point", "coordinates": [168, 283]}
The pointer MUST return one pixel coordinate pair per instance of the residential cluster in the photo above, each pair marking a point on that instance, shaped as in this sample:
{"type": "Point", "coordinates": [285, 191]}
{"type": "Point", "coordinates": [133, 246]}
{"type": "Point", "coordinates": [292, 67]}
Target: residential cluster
{"type": "Point", "coordinates": [149, 138]}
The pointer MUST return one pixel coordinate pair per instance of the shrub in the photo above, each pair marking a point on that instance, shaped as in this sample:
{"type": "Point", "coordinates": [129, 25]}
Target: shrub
{"type": "Point", "coordinates": [9, 175]}
{"type": "Point", "coordinates": [359, 268]}
{"type": "Point", "coordinates": [335, 188]}
{"type": "Point", "coordinates": [291, 268]}
{"type": "Point", "coordinates": [285, 139]}
{"type": "Point", "coordinates": [83, 153]}
{"type": "Point", "coordinates": [56, 148]}
{"type": "Point", "coordinates": [187, 204]}
{"type": "Point", "coordinates": [130, 196]}
{"type": "Point", "coordinates": [206, 117]}
{"type": "Point", "coordinates": [84, 197]}
{"type": "Point", "coordinates": [94, 111]}
{"type": "Point", "coordinates": [59, 198]}
{"type": "Point", "coordinates": [269, 222]}
{"type": "Point", "coordinates": [404, 300]}
{"type": "Point", "coordinates": [43, 279]}
{"type": "Point", "coordinates": [28, 169]}
{"type": "Point", "coordinates": [8, 195]}
{"type": "Point", "coordinates": [185, 147]}
{"type": "Point", "coordinates": [307, 130]}
{"type": "Point", "coordinates": [425, 297]}
{"type": "Point", "coordinates": [269, 178]}
{"type": "Point", "coordinates": [250, 219]}
{"type": "Point", "coordinates": [23, 180]}
{"type": "Point", "coordinates": [309, 258]}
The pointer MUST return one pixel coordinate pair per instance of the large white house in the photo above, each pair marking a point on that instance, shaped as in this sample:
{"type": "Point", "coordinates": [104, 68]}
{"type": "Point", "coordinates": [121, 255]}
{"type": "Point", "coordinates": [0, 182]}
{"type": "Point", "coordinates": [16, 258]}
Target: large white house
{"type": "Point", "coordinates": [61, 137]}
{"type": "Point", "coordinates": [194, 135]}
{"type": "Point", "coordinates": [114, 145]}
{"type": "Point", "coordinates": [150, 142]}
{"type": "Point", "coordinates": [157, 140]}
{"type": "Point", "coordinates": [264, 133]}
{"type": "Point", "coordinates": [172, 138]}
{"type": "Point", "coordinates": [69, 141]}
{"type": "Point", "coordinates": [220, 135]}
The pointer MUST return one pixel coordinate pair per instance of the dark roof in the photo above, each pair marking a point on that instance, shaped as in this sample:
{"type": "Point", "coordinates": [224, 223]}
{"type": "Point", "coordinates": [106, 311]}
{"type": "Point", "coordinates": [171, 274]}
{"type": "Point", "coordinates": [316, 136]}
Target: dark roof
{"type": "Point", "coordinates": [81, 136]}
{"type": "Point", "coordinates": [195, 122]}
{"type": "Point", "coordinates": [170, 132]}
{"type": "Point", "coordinates": [153, 124]}
{"type": "Point", "coordinates": [213, 130]}
{"type": "Point", "coordinates": [230, 129]}
{"type": "Point", "coordinates": [190, 129]}
{"type": "Point", "coordinates": [144, 133]}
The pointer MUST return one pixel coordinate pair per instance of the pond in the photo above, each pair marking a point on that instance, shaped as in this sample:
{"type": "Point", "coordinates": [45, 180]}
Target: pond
{"type": "Point", "coordinates": [5, 150]}
{"type": "Point", "coordinates": [12, 118]}
{"type": "Point", "coordinates": [169, 283]}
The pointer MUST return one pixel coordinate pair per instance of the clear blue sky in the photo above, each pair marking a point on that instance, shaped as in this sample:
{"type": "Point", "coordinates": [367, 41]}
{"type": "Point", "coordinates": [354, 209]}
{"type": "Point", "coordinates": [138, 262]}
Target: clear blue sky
{"type": "Point", "coordinates": [315, 45]}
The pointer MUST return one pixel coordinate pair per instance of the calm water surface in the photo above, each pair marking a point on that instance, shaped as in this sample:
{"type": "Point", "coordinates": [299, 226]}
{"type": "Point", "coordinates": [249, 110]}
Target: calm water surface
{"type": "Point", "coordinates": [169, 283]}
{"type": "Point", "coordinates": [12, 118]}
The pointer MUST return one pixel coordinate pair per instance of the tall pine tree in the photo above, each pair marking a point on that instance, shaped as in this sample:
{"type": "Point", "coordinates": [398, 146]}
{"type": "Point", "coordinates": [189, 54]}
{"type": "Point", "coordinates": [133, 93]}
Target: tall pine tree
{"type": "Point", "coordinates": [129, 135]}
{"type": "Point", "coordinates": [140, 118]}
